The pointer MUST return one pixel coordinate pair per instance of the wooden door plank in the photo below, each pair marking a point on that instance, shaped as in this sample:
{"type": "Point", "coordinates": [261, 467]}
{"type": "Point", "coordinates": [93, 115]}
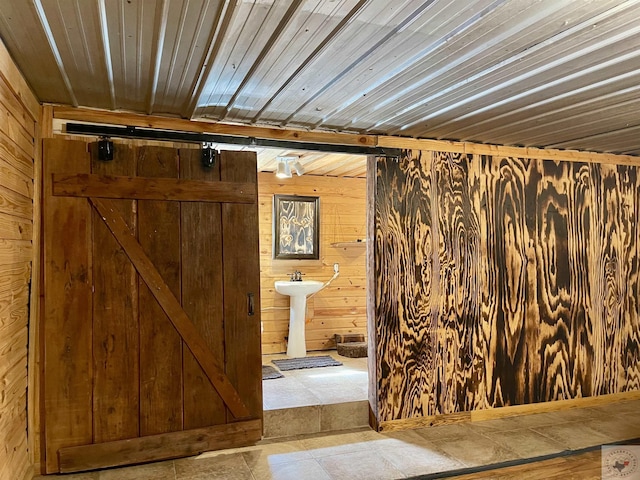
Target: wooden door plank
{"type": "Point", "coordinates": [160, 345]}
{"type": "Point", "coordinates": [242, 277]}
{"type": "Point", "coordinates": [202, 292]}
{"type": "Point", "coordinates": [115, 317]}
{"type": "Point", "coordinates": [141, 188]}
{"type": "Point", "coordinates": [67, 307]}
{"type": "Point", "coordinates": [159, 447]}
{"type": "Point", "coordinates": [167, 300]}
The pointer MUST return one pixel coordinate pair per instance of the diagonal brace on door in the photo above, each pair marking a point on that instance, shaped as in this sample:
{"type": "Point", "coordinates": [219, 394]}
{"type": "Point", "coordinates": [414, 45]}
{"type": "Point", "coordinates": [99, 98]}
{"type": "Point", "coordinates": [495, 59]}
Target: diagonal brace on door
{"type": "Point", "coordinates": [171, 306]}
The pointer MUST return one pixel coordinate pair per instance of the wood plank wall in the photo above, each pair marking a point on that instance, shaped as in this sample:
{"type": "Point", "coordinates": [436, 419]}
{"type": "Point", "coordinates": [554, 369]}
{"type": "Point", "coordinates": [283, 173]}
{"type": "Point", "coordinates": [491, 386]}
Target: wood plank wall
{"type": "Point", "coordinates": [19, 115]}
{"type": "Point", "coordinates": [503, 281]}
{"type": "Point", "coordinates": [341, 307]}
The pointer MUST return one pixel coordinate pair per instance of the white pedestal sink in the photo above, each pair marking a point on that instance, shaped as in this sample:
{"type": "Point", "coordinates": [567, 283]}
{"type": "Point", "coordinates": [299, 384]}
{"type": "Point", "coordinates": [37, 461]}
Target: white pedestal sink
{"type": "Point", "coordinates": [297, 292]}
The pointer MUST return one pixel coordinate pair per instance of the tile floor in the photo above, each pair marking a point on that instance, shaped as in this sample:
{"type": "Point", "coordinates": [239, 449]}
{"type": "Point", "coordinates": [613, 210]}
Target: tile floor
{"type": "Point", "coordinates": [316, 386]}
{"type": "Point", "coordinates": [365, 454]}
{"type": "Point", "coordinates": [315, 400]}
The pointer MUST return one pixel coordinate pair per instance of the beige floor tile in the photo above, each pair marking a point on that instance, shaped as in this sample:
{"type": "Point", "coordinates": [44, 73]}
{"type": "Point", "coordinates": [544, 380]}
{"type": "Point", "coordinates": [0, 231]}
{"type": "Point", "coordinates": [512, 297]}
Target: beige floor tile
{"type": "Point", "coordinates": [317, 386]}
{"type": "Point", "coordinates": [536, 420]}
{"type": "Point", "coordinates": [152, 471]}
{"type": "Point", "coordinates": [341, 416]}
{"type": "Point", "coordinates": [573, 415]}
{"type": "Point", "coordinates": [337, 393]}
{"type": "Point", "coordinates": [525, 443]}
{"type": "Point", "coordinates": [287, 393]}
{"type": "Point", "coordinates": [499, 424]}
{"type": "Point", "coordinates": [473, 449]}
{"type": "Point", "coordinates": [362, 465]}
{"type": "Point", "coordinates": [300, 470]}
{"type": "Point", "coordinates": [442, 432]}
{"type": "Point", "coordinates": [573, 435]}
{"type": "Point", "coordinates": [616, 428]}
{"type": "Point", "coordinates": [274, 453]}
{"type": "Point", "coordinates": [419, 459]}
{"type": "Point", "coordinates": [219, 467]}
{"type": "Point", "coordinates": [403, 438]}
{"type": "Point", "coordinates": [291, 421]}
{"type": "Point", "coordinates": [631, 406]}
{"type": "Point", "coordinates": [336, 444]}
{"type": "Point", "coordinates": [619, 408]}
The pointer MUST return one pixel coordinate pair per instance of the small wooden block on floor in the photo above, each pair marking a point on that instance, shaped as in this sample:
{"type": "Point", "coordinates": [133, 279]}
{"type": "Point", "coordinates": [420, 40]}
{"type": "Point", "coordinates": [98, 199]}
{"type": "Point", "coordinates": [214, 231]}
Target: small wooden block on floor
{"type": "Point", "coordinates": [352, 349]}
{"type": "Point", "coordinates": [349, 337]}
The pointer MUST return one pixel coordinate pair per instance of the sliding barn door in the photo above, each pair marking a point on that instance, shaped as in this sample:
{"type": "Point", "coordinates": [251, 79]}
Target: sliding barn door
{"type": "Point", "coordinates": [152, 317]}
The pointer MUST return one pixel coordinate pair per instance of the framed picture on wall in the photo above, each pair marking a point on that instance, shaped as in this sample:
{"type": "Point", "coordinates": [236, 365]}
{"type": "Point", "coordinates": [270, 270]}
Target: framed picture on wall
{"type": "Point", "coordinates": [296, 227]}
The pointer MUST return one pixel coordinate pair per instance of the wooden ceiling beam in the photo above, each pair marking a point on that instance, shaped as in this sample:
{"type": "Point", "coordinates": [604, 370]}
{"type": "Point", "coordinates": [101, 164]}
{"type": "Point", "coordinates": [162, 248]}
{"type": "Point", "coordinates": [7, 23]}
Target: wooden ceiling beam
{"type": "Point", "coordinates": [183, 125]}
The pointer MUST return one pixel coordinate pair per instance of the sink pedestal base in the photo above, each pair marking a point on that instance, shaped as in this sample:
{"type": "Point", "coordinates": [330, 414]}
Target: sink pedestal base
{"type": "Point", "coordinates": [297, 291]}
{"type": "Point", "coordinates": [296, 345]}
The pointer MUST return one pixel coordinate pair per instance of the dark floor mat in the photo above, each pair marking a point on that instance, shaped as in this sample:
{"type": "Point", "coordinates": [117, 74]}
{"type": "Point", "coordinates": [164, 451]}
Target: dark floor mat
{"type": "Point", "coordinates": [306, 362]}
{"type": "Point", "coordinates": [269, 373]}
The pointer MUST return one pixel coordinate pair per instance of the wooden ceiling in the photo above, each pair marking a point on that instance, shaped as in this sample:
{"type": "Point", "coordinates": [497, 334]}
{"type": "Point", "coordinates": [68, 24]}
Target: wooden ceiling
{"type": "Point", "coordinates": [541, 73]}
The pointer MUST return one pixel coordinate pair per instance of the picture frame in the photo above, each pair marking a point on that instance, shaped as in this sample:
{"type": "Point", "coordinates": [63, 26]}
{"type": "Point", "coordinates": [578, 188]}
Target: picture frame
{"type": "Point", "coordinates": [296, 227]}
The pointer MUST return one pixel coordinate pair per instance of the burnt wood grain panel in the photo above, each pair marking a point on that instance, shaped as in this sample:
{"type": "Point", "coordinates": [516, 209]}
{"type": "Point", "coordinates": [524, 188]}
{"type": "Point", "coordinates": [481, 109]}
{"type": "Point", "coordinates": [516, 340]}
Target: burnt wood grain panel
{"type": "Point", "coordinates": [504, 239]}
{"type": "Point", "coordinates": [404, 299]}
{"type": "Point", "coordinates": [149, 188]}
{"type": "Point", "coordinates": [116, 388]}
{"type": "Point", "coordinates": [503, 281]}
{"type": "Point", "coordinates": [68, 362]}
{"type": "Point", "coordinates": [241, 280]}
{"type": "Point", "coordinates": [202, 292]}
{"type": "Point", "coordinates": [160, 344]}
{"type": "Point", "coordinates": [456, 286]}
{"type": "Point", "coordinates": [372, 340]}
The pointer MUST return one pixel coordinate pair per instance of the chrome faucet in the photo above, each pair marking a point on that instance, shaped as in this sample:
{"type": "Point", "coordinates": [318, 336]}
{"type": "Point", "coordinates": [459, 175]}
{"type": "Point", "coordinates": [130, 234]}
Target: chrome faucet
{"type": "Point", "coordinates": [296, 276]}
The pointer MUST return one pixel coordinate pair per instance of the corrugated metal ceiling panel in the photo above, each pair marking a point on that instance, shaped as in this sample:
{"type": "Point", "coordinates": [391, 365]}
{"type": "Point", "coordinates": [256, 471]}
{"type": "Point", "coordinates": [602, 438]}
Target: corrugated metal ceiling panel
{"type": "Point", "coordinates": [546, 73]}
{"type": "Point", "coordinates": [24, 37]}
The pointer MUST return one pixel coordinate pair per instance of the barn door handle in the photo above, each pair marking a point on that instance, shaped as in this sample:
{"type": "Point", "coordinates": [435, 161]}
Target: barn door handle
{"type": "Point", "coordinates": [250, 304]}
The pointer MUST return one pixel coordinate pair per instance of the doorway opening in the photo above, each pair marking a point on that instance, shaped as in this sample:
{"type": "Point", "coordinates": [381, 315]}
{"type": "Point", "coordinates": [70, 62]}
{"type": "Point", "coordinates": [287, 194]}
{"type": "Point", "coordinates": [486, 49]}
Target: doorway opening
{"type": "Point", "coordinates": [327, 398]}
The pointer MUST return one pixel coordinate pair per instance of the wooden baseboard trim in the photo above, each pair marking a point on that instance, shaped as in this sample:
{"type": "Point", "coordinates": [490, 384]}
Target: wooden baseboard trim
{"type": "Point", "coordinates": [159, 447]}
{"type": "Point", "coordinates": [503, 412]}
{"type": "Point", "coordinates": [420, 422]}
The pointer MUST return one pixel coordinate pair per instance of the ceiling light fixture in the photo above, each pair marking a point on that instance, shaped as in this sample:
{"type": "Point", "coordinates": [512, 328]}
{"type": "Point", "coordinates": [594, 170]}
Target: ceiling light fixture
{"type": "Point", "coordinates": [298, 167]}
{"type": "Point", "coordinates": [283, 169]}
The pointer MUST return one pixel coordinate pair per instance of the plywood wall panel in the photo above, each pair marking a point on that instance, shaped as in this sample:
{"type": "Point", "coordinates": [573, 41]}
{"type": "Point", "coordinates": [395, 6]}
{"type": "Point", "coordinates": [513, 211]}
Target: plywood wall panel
{"type": "Point", "coordinates": [503, 281]}
{"type": "Point", "coordinates": [341, 307]}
